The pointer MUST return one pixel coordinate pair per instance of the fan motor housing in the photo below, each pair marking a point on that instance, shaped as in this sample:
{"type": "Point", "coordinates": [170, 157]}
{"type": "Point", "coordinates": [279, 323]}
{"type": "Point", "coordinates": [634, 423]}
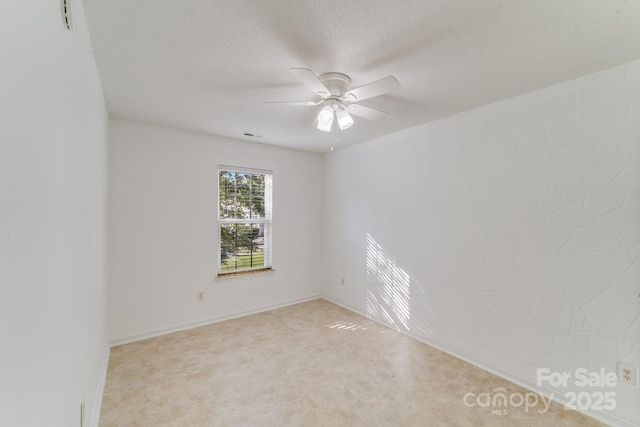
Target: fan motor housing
{"type": "Point", "coordinates": [337, 83]}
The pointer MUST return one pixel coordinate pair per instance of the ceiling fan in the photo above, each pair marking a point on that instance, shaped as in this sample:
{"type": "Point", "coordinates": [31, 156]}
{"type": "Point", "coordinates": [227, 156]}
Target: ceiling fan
{"type": "Point", "coordinates": [338, 101]}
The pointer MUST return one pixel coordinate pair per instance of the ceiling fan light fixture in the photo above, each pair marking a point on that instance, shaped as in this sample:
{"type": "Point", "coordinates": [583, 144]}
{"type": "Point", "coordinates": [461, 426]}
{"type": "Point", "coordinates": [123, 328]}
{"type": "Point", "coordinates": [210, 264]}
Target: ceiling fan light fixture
{"type": "Point", "coordinates": [344, 119]}
{"type": "Point", "coordinates": [325, 127]}
{"type": "Point", "coordinates": [339, 100]}
{"type": "Point", "coordinates": [325, 118]}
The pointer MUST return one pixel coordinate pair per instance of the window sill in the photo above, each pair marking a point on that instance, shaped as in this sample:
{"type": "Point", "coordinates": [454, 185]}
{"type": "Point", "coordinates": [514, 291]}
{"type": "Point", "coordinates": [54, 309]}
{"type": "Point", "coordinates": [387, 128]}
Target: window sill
{"type": "Point", "coordinates": [246, 273]}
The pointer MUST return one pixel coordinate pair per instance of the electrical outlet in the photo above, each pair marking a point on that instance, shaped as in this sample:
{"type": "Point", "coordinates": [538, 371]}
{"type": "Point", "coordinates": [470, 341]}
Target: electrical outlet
{"type": "Point", "coordinates": [200, 296]}
{"type": "Point", "coordinates": [628, 374]}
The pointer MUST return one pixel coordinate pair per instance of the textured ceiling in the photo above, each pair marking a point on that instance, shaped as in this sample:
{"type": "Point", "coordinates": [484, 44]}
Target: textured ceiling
{"type": "Point", "coordinates": [209, 65]}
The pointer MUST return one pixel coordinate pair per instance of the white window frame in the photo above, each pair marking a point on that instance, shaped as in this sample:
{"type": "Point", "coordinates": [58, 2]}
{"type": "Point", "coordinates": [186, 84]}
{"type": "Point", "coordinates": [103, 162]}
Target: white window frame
{"type": "Point", "coordinates": [266, 221]}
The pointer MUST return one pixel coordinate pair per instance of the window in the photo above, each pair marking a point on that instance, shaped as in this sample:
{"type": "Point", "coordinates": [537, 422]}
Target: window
{"type": "Point", "coordinates": [244, 220]}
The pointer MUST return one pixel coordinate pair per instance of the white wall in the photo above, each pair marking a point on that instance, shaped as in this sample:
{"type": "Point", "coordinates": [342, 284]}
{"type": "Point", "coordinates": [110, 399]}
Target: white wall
{"type": "Point", "coordinates": [163, 229]}
{"type": "Point", "coordinates": [509, 235]}
{"type": "Point", "coordinates": [53, 336]}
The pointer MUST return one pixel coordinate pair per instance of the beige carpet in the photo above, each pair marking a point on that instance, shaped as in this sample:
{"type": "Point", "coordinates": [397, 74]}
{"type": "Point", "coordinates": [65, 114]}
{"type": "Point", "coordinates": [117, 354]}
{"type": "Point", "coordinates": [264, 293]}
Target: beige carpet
{"type": "Point", "coordinates": [311, 364]}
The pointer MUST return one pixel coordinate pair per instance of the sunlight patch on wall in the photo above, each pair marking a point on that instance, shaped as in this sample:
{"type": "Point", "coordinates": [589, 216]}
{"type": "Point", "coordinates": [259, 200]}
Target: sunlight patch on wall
{"type": "Point", "coordinates": [389, 292]}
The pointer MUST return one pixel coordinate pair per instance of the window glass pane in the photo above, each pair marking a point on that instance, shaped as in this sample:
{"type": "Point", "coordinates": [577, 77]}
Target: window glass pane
{"type": "Point", "coordinates": [241, 246]}
{"type": "Point", "coordinates": [242, 195]}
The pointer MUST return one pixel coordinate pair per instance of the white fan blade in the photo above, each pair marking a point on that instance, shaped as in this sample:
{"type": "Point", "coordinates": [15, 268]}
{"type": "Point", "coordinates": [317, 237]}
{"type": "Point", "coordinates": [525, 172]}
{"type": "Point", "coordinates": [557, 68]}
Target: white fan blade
{"type": "Point", "coordinates": [366, 112]}
{"type": "Point", "coordinates": [370, 90]}
{"type": "Point", "coordinates": [311, 80]}
{"type": "Point", "coordinates": [309, 103]}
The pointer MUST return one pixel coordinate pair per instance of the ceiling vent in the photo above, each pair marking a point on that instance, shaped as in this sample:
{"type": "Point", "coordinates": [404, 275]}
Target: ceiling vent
{"type": "Point", "coordinates": [66, 14]}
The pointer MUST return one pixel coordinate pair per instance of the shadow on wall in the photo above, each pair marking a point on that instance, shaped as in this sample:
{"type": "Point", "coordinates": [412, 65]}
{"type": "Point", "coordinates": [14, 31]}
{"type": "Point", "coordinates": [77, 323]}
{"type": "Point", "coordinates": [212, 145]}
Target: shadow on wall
{"type": "Point", "coordinates": [389, 290]}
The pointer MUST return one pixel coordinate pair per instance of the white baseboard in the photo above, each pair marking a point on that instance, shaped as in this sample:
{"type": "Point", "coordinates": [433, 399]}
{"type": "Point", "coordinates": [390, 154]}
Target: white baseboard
{"type": "Point", "coordinates": [604, 417]}
{"type": "Point", "coordinates": [190, 325]}
{"type": "Point", "coordinates": [102, 380]}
